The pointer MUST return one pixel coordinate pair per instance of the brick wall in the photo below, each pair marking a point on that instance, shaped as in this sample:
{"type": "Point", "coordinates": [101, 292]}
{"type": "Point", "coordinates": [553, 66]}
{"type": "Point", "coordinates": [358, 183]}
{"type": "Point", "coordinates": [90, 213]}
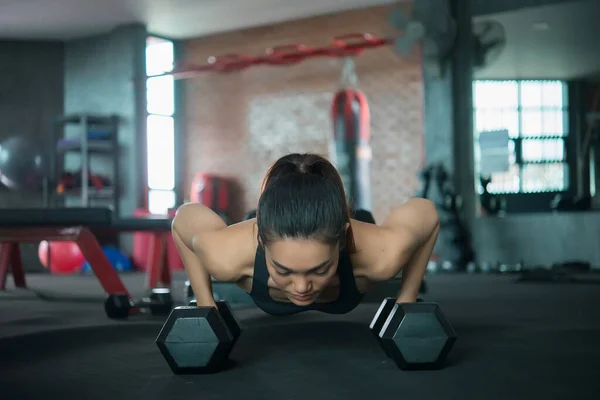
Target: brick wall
{"type": "Point", "coordinates": [239, 123]}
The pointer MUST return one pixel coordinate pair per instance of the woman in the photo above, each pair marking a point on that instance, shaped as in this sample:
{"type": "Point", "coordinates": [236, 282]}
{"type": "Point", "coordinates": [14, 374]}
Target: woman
{"type": "Point", "coordinates": [303, 251]}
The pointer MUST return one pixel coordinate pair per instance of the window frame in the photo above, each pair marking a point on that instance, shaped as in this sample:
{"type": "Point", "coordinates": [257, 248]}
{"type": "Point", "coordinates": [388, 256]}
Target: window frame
{"type": "Point", "coordinates": [533, 201]}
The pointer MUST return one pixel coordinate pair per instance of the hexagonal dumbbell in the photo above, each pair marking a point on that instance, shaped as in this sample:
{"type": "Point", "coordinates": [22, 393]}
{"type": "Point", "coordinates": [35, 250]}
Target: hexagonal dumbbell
{"type": "Point", "coordinates": [414, 335]}
{"type": "Point", "coordinates": [380, 317]}
{"type": "Point", "coordinates": [198, 339]}
{"type": "Point", "coordinates": [227, 315]}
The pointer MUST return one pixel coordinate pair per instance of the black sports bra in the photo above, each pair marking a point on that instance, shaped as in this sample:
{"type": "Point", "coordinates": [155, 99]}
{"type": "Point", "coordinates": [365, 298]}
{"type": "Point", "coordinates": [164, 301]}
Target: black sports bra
{"type": "Point", "coordinates": [349, 295]}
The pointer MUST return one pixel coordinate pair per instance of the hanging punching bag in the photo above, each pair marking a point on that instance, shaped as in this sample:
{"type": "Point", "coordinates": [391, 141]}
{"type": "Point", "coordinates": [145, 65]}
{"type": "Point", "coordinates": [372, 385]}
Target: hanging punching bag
{"type": "Point", "coordinates": [352, 148]}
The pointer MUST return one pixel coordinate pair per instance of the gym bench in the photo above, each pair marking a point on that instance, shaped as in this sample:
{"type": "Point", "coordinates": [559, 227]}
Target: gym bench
{"type": "Point", "coordinates": [81, 225]}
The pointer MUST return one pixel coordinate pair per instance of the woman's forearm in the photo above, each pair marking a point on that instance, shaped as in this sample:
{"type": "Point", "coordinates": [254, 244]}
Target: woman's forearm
{"type": "Point", "coordinates": [192, 225]}
{"type": "Point", "coordinates": [413, 272]}
{"type": "Point", "coordinates": [199, 277]}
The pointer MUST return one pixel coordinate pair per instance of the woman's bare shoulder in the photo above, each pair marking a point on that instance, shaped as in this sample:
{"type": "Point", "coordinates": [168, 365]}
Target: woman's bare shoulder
{"type": "Point", "coordinates": [233, 247]}
{"type": "Point", "coordinates": [377, 249]}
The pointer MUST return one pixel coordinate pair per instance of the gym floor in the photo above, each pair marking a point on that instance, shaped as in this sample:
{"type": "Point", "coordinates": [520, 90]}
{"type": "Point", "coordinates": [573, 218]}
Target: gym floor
{"type": "Point", "coordinates": [516, 341]}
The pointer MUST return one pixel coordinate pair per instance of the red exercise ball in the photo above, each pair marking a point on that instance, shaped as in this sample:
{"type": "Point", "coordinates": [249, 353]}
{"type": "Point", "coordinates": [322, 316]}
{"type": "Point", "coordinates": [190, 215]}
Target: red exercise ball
{"type": "Point", "coordinates": [60, 257]}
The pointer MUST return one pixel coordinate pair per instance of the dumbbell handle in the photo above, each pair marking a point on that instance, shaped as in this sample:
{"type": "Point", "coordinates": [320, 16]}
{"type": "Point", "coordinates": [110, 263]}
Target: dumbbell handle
{"type": "Point", "coordinates": [141, 303]}
{"type": "Point", "coordinates": [145, 302]}
{"type": "Point", "coordinates": [227, 316]}
{"type": "Point", "coordinates": [194, 303]}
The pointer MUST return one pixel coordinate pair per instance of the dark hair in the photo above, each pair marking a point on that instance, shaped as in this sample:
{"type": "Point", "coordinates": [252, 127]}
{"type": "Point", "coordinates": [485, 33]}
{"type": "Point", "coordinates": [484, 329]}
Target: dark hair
{"type": "Point", "coordinates": [302, 197]}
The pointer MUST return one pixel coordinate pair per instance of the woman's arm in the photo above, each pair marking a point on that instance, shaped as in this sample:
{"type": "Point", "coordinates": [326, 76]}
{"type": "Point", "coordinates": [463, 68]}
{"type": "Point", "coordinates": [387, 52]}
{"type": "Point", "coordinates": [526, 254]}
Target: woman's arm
{"type": "Point", "coordinates": [407, 239]}
{"type": "Point", "coordinates": [196, 230]}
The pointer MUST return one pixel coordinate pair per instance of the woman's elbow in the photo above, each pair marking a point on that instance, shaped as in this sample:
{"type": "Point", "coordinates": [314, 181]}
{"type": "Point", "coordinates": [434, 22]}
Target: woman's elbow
{"type": "Point", "coordinates": [433, 217]}
{"type": "Point", "coordinates": [428, 212]}
{"type": "Point", "coordinates": [185, 223]}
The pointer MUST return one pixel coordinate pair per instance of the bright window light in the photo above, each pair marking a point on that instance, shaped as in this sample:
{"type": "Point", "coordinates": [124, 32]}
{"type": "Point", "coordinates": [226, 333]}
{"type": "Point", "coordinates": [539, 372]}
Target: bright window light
{"type": "Point", "coordinates": [161, 152]}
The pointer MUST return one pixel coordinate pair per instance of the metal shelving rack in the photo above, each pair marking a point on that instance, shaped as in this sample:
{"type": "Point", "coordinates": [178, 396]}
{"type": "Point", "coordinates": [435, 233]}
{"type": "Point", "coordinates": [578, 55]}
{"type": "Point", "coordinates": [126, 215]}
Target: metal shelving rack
{"type": "Point", "coordinates": [87, 146]}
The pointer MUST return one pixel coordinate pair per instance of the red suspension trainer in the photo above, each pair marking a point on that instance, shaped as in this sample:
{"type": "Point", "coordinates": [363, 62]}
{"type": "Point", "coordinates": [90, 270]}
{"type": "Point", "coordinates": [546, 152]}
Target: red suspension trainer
{"type": "Point", "coordinates": [351, 44]}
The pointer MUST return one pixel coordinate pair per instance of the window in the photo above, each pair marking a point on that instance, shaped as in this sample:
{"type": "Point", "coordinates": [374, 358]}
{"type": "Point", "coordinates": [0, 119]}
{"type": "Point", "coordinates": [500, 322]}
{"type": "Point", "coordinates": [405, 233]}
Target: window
{"type": "Point", "coordinates": [534, 112]}
{"type": "Point", "coordinates": [161, 153]}
{"type": "Point", "coordinates": [160, 94]}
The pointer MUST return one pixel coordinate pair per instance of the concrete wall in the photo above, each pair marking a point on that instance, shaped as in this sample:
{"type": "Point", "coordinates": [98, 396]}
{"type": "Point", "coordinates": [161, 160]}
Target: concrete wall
{"type": "Point", "coordinates": [539, 238]}
{"type": "Point", "coordinates": [31, 96]}
{"type": "Point", "coordinates": [106, 75]}
{"type": "Point", "coordinates": [447, 110]}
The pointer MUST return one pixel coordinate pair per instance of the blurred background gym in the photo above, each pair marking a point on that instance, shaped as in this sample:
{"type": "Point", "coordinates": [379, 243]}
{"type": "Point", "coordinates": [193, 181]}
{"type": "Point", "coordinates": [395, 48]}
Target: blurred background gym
{"type": "Point", "coordinates": [114, 113]}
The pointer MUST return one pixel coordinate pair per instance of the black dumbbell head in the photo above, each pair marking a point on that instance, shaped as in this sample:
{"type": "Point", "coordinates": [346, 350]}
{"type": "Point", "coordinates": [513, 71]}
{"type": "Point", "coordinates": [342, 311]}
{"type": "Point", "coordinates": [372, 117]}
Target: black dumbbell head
{"type": "Point", "coordinates": [381, 315]}
{"type": "Point", "coordinates": [229, 318]}
{"type": "Point", "coordinates": [161, 301]}
{"type": "Point", "coordinates": [160, 294]}
{"type": "Point", "coordinates": [195, 340]}
{"type": "Point", "coordinates": [227, 314]}
{"type": "Point", "coordinates": [417, 336]}
{"type": "Point", "coordinates": [117, 306]}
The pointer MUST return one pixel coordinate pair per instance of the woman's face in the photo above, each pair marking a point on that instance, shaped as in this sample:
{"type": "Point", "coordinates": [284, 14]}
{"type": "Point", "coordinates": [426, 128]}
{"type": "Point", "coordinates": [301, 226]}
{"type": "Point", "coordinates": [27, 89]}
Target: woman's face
{"type": "Point", "coordinates": [301, 268]}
